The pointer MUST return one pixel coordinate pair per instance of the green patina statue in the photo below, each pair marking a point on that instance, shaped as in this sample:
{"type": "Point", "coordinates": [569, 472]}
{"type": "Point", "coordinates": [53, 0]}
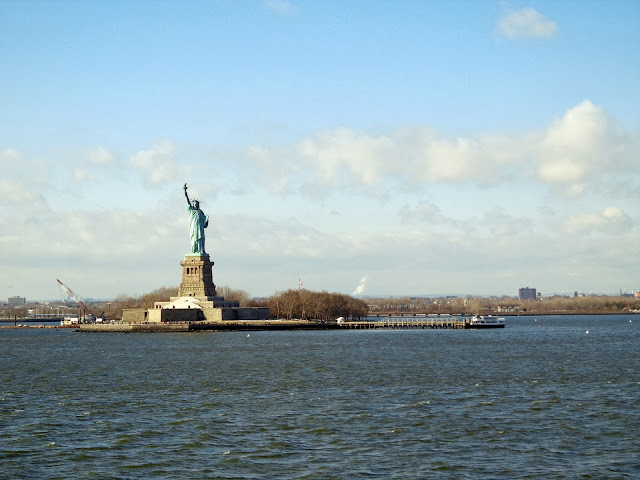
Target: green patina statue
{"type": "Point", "coordinates": [198, 221]}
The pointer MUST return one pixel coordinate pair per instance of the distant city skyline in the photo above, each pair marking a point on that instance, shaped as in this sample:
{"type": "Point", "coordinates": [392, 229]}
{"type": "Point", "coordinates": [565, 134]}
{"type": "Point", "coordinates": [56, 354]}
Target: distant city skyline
{"type": "Point", "coordinates": [369, 148]}
{"type": "Point", "coordinates": [547, 295]}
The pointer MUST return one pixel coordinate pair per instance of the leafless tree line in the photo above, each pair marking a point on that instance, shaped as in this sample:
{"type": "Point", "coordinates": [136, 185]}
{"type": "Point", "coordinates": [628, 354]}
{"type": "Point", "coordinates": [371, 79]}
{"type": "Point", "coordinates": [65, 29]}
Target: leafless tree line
{"type": "Point", "coordinates": [300, 304]}
{"type": "Point", "coordinates": [471, 305]}
{"type": "Point", "coordinates": [306, 304]}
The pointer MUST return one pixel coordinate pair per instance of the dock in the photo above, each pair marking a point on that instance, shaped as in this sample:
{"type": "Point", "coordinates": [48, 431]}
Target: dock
{"type": "Point", "coordinates": [389, 323]}
{"type": "Point", "coordinates": [410, 323]}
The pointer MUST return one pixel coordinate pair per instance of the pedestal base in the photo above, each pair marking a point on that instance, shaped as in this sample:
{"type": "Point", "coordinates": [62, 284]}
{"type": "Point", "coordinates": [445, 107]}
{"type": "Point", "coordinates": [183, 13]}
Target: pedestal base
{"type": "Point", "coordinates": [197, 279]}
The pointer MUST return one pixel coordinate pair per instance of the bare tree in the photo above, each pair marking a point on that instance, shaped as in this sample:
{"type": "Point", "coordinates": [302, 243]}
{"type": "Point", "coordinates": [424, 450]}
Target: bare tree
{"type": "Point", "coordinates": [234, 294]}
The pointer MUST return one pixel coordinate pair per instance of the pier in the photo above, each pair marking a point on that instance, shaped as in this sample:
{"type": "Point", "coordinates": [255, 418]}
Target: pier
{"type": "Point", "coordinates": [409, 323]}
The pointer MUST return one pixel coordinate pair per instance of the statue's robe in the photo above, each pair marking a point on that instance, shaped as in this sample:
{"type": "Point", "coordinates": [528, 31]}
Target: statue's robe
{"type": "Point", "coordinates": [198, 221]}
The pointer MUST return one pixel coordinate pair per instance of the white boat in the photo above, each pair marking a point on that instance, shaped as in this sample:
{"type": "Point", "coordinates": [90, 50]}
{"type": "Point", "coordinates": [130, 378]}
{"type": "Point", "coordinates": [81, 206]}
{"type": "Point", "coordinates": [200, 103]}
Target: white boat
{"type": "Point", "coordinates": [488, 321]}
{"type": "Point", "coordinates": [70, 320]}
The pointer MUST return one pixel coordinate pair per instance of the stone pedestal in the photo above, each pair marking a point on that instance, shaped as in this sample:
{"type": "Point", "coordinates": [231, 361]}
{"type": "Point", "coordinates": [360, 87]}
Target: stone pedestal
{"type": "Point", "coordinates": [196, 300]}
{"type": "Point", "coordinates": [197, 279]}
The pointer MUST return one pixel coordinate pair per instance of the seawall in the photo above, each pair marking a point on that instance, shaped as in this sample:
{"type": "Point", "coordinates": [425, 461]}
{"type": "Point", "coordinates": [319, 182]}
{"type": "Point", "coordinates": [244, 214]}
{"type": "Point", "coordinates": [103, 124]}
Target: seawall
{"type": "Point", "coordinates": [205, 326]}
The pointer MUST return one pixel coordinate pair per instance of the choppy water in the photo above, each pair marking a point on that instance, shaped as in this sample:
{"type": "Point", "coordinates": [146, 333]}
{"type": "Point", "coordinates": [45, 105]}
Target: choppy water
{"type": "Point", "coordinates": [538, 399]}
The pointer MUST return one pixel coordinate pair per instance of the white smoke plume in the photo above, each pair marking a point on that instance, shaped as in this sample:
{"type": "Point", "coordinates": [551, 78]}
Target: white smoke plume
{"type": "Point", "coordinates": [360, 288]}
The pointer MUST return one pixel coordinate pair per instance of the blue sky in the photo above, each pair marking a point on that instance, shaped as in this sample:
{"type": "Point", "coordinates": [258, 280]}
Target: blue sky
{"type": "Point", "coordinates": [375, 147]}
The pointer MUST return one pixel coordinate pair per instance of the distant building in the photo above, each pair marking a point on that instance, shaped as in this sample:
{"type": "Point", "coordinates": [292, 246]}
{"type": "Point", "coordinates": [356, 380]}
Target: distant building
{"type": "Point", "coordinates": [508, 308]}
{"type": "Point", "coordinates": [15, 301]}
{"type": "Point", "coordinates": [527, 294]}
{"type": "Point", "coordinates": [630, 295]}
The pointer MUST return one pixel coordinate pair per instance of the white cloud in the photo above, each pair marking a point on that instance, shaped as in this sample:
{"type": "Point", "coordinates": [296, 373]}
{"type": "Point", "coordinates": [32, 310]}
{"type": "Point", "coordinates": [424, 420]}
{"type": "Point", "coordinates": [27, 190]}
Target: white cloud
{"type": "Point", "coordinates": [268, 238]}
{"type": "Point", "coordinates": [501, 224]}
{"type": "Point", "coordinates": [274, 172]}
{"type": "Point", "coordinates": [13, 193]}
{"type": "Point", "coordinates": [9, 155]}
{"type": "Point", "coordinates": [81, 175]}
{"type": "Point", "coordinates": [423, 212]}
{"type": "Point", "coordinates": [579, 144]}
{"type": "Point", "coordinates": [571, 156]}
{"type": "Point", "coordinates": [341, 154]}
{"type": "Point", "coordinates": [22, 182]}
{"type": "Point", "coordinates": [281, 7]}
{"type": "Point", "coordinates": [574, 190]}
{"type": "Point", "coordinates": [612, 221]}
{"type": "Point", "coordinates": [93, 236]}
{"type": "Point", "coordinates": [495, 222]}
{"type": "Point", "coordinates": [102, 157]}
{"type": "Point", "coordinates": [342, 157]}
{"type": "Point", "coordinates": [90, 161]}
{"type": "Point", "coordinates": [450, 159]}
{"type": "Point", "coordinates": [74, 245]}
{"type": "Point", "coordinates": [157, 165]}
{"type": "Point", "coordinates": [526, 23]}
{"type": "Point", "coordinates": [462, 159]}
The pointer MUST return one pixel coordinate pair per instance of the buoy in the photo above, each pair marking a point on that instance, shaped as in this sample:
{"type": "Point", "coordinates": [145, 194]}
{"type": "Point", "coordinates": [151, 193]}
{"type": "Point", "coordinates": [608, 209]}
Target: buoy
{"type": "Point", "coordinates": [587, 331]}
{"type": "Point", "coordinates": [248, 335]}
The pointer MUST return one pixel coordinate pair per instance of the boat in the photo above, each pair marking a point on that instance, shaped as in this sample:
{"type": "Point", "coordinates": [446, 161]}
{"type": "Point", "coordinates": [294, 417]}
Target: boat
{"type": "Point", "coordinates": [70, 320]}
{"type": "Point", "coordinates": [488, 321]}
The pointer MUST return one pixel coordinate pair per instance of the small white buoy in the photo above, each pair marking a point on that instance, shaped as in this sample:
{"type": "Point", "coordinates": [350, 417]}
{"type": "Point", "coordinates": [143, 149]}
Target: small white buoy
{"type": "Point", "coordinates": [587, 331]}
{"type": "Point", "coordinates": [250, 335]}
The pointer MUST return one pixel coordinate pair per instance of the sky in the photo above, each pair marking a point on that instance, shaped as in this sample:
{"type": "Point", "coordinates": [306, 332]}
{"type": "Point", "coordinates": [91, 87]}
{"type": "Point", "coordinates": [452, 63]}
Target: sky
{"type": "Point", "coordinates": [363, 147]}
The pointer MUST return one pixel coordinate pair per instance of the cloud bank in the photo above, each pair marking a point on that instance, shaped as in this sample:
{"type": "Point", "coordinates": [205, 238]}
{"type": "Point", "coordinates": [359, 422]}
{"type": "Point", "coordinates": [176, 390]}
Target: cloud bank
{"type": "Point", "coordinates": [430, 211]}
{"type": "Point", "coordinates": [572, 152]}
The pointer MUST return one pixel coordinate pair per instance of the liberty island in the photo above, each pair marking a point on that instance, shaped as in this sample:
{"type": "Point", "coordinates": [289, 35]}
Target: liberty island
{"type": "Point", "coordinates": [197, 307]}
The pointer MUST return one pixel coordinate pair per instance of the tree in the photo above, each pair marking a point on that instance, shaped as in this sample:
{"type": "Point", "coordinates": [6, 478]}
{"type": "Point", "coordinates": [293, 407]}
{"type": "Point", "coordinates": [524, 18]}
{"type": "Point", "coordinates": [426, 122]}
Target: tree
{"type": "Point", "coordinates": [234, 295]}
{"type": "Point", "coordinates": [162, 294]}
{"type": "Point", "coordinates": [124, 301]}
{"type": "Point", "coordinates": [322, 306]}
{"type": "Point", "coordinates": [18, 312]}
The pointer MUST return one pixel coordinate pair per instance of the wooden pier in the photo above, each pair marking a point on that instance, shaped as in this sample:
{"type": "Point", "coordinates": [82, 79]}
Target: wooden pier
{"type": "Point", "coordinates": [410, 323]}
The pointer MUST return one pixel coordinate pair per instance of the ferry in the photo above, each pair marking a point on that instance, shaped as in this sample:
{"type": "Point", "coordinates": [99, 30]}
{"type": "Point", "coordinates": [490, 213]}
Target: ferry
{"type": "Point", "coordinates": [489, 321]}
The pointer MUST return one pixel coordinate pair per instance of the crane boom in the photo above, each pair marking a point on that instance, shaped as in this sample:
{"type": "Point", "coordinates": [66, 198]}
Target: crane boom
{"type": "Point", "coordinates": [71, 294]}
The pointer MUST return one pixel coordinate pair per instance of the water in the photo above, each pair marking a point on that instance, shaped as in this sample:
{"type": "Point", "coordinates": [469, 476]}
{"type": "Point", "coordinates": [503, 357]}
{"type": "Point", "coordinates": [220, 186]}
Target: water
{"type": "Point", "coordinates": [537, 399]}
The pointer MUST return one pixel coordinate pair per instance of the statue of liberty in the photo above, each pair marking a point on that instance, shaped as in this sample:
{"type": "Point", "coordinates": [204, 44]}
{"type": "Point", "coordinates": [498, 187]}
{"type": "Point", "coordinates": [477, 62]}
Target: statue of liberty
{"type": "Point", "coordinates": [198, 221]}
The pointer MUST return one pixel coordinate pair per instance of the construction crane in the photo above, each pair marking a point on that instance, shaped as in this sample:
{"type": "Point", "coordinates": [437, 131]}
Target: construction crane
{"type": "Point", "coordinates": [71, 294]}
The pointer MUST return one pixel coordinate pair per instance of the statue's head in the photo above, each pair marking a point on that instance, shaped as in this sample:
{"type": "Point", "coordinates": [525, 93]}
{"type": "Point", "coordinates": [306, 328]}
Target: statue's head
{"type": "Point", "coordinates": [196, 204]}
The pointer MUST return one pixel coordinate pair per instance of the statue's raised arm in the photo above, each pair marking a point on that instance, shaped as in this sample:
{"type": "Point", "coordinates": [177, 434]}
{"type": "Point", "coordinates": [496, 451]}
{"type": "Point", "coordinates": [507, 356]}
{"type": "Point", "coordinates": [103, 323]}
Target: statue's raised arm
{"type": "Point", "coordinates": [185, 194]}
